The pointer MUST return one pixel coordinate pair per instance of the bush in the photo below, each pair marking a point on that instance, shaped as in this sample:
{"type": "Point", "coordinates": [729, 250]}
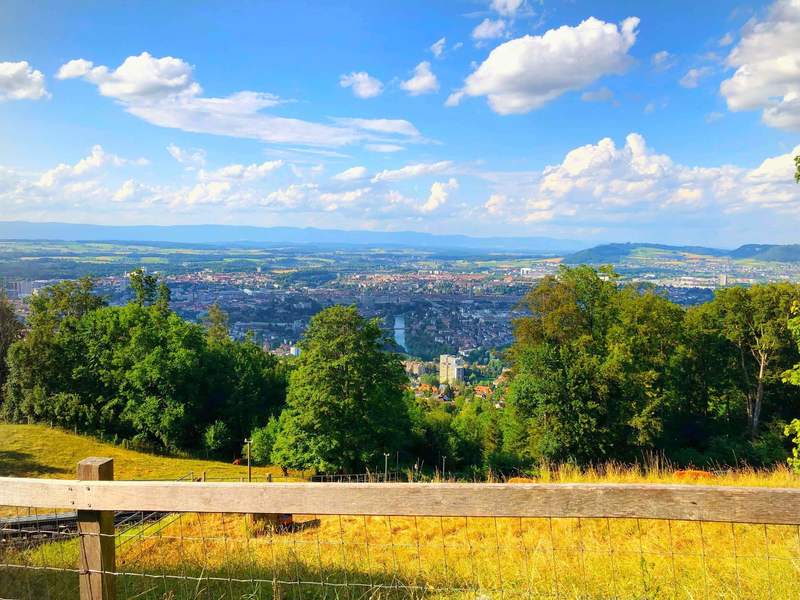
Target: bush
{"type": "Point", "coordinates": [216, 437]}
{"type": "Point", "coordinates": [769, 448]}
{"type": "Point", "coordinates": [263, 439]}
{"type": "Point", "coordinates": [793, 428]}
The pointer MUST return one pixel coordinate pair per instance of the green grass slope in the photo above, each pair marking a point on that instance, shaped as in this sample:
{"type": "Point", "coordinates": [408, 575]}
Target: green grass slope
{"type": "Point", "coordinates": [41, 451]}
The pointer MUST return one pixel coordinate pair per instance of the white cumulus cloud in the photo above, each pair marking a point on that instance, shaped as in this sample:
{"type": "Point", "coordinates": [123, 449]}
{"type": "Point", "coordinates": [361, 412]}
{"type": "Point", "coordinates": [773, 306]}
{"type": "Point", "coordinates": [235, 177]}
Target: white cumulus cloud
{"type": "Point", "coordinates": [97, 159]}
{"type": "Point", "coordinates": [19, 81]}
{"type": "Point", "coordinates": [362, 83]}
{"type": "Point", "coordinates": [440, 190]}
{"type": "Point", "coordinates": [767, 67]}
{"type": "Point", "coordinates": [525, 73]}
{"type": "Point", "coordinates": [605, 183]}
{"type": "Point", "coordinates": [423, 82]}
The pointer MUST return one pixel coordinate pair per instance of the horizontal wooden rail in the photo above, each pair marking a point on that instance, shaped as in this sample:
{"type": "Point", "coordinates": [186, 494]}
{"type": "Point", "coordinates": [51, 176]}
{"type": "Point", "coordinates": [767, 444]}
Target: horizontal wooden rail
{"type": "Point", "coordinates": [645, 501]}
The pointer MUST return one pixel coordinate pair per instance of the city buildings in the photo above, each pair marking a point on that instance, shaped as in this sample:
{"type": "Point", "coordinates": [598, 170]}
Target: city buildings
{"type": "Point", "coordinates": [451, 369]}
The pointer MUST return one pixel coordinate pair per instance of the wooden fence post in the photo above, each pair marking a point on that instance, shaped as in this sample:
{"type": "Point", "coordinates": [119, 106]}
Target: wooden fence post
{"type": "Point", "coordinates": [97, 562]}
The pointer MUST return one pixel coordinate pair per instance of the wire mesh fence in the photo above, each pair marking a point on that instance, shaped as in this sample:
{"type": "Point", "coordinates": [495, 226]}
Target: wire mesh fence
{"type": "Point", "coordinates": [223, 555]}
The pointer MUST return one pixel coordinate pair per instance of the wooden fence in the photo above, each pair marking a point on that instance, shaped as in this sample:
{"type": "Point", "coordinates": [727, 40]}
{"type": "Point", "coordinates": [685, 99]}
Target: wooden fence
{"type": "Point", "coordinates": [96, 497]}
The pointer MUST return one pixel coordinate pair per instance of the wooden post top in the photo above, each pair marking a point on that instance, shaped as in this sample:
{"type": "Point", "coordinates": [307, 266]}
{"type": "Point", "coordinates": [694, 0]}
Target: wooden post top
{"type": "Point", "coordinates": [96, 468]}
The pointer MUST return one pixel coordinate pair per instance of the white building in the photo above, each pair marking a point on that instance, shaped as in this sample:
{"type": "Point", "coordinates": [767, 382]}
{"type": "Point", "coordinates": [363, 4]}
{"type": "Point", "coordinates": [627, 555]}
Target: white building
{"type": "Point", "coordinates": [451, 369]}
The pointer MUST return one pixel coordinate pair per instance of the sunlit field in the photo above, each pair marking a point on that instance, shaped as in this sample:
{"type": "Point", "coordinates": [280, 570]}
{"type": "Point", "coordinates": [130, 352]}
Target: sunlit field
{"type": "Point", "coordinates": [41, 451]}
{"type": "Point", "coordinates": [216, 556]}
{"type": "Point", "coordinates": [234, 556]}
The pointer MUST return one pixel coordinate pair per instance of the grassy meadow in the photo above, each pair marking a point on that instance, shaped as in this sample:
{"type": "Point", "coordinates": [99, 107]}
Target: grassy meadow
{"type": "Point", "coordinates": [232, 556]}
{"type": "Point", "coordinates": [41, 451]}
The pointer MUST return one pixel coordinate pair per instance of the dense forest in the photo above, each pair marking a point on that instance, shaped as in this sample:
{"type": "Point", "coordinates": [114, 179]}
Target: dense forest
{"type": "Point", "coordinates": [601, 371]}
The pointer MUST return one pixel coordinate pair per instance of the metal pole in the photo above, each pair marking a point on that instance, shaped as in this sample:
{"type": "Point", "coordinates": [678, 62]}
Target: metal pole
{"type": "Point", "coordinates": [443, 459]}
{"type": "Point", "coordinates": [249, 468]}
{"type": "Point", "coordinates": [385, 467]}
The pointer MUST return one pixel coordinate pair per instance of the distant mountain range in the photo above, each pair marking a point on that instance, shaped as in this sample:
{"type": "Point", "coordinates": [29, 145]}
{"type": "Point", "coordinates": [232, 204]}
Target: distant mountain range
{"type": "Point", "coordinates": [574, 252]}
{"type": "Point", "coordinates": [614, 253]}
{"type": "Point", "coordinates": [260, 236]}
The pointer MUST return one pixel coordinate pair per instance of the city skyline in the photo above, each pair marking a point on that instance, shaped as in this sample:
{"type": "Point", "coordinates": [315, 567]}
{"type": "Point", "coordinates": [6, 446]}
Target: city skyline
{"type": "Point", "coordinates": [614, 122]}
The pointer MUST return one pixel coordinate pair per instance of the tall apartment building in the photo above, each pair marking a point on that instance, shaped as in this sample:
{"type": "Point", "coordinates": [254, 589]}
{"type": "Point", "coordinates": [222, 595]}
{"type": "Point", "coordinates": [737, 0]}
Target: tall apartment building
{"type": "Point", "coordinates": [451, 369]}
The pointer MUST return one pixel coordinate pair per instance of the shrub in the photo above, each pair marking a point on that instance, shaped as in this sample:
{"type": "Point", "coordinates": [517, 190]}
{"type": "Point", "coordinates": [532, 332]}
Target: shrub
{"type": "Point", "coordinates": [793, 428]}
{"type": "Point", "coordinates": [263, 438]}
{"type": "Point", "coordinates": [216, 437]}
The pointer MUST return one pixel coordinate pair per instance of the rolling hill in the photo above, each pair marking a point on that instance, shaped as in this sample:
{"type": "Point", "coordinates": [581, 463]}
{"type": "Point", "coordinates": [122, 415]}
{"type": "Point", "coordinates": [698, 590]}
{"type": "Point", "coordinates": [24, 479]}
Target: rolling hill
{"type": "Point", "coordinates": [614, 253]}
{"type": "Point", "coordinates": [259, 236]}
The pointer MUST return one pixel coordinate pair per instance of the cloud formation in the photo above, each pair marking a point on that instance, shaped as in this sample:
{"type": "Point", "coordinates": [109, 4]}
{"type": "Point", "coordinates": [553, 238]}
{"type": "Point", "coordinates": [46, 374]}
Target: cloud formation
{"type": "Point", "coordinates": [19, 81]}
{"type": "Point", "coordinates": [191, 159]}
{"type": "Point", "coordinates": [423, 82]}
{"type": "Point", "coordinates": [507, 8]}
{"type": "Point", "coordinates": [440, 190]}
{"type": "Point", "coordinates": [662, 60]}
{"type": "Point", "coordinates": [409, 171]}
{"type": "Point", "coordinates": [437, 48]}
{"type": "Point", "coordinates": [489, 29]}
{"type": "Point", "coordinates": [162, 92]}
{"type": "Point", "coordinates": [97, 159]}
{"type": "Point", "coordinates": [693, 76]}
{"type": "Point", "coordinates": [241, 172]}
{"type": "Point", "coordinates": [606, 184]}
{"type": "Point", "coordinates": [351, 174]}
{"type": "Point", "coordinates": [362, 83]}
{"type": "Point", "coordinates": [767, 63]}
{"type": "Point", "coordinates": [623, 190]}
{"type": "Point", "coordinates": [525, 73]}
{"type": "Point", "coordinates": [602, 94]}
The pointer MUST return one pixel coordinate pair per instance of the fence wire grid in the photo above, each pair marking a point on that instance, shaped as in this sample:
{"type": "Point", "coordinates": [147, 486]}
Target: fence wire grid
{"type": "Point", "coordinates": [227, 556]}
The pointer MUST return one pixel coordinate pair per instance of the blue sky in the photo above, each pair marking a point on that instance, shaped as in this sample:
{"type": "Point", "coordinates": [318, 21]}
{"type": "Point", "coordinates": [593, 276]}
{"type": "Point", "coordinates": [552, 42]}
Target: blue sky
{"type": "Point", "coordinates": [604, 121]}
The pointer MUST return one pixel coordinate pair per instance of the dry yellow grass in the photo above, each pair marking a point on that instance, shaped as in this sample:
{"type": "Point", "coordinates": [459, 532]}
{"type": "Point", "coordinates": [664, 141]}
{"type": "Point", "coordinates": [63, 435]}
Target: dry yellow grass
{"type": "Point", "coordinates": [779, 475]}
{"type": "Point", "coordinates": [216, 556]}
{"type": "Point", "coordinates": [227, 556]}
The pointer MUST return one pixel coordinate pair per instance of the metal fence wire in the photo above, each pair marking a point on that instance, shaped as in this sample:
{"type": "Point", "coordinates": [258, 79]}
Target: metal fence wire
{"type": "Point", "coordinates": [218, 555]}
{"type": "Point", "coordinates": [420, 547]}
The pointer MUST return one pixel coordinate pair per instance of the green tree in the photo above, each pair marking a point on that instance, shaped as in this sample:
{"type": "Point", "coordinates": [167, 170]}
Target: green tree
{"type": "Point", "coordinates": [594, 376]}
{"type": "Point", "coordinates": [246, 386]}
{"type": "Point", "coordinates": [640, 350]}
{"type": "Point", "coordinates": [797, 169]}
{"type": "Point", "coordinates": [163, 297]}
{"type": "Point", "coordinates": [216, 322]}
{"type": "Point", "coordinates": [262, 442]}
{"type": "Point", "coordinates": [792, 430]}
{"type": "Point", "coordinates": [10, 331]}
{"type": "Point", "coordinates": [216, 437]}
{"type": "Point", "coordinates": [138, 372]}
{"type": "Point", "coordinates": [345, 401]}
{"type": "Point", "coordinates": [755, 321]}
{"type": "Point", "coordinates": [42, 364]}
{"type": "Point", "coordinates": [145, 287]}
{"type": "Point", "coordinates": [561, 393]}
{"type": "Point", "coordinates": [65, 300]}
